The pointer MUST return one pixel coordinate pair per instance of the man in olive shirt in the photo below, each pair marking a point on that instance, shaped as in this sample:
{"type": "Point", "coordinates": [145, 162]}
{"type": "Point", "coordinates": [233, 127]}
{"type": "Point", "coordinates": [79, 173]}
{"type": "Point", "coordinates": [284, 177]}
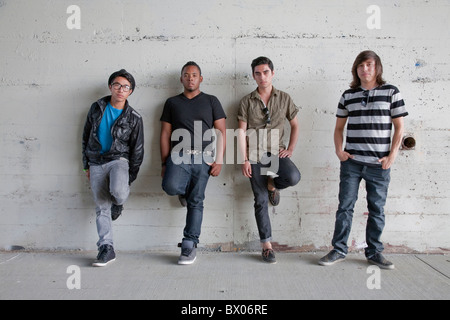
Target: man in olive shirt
{"type": "Point", "coordinates": [262, 116]}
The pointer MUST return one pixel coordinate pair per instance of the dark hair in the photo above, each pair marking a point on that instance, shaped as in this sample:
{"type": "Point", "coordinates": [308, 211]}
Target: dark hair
{"type": "Point", "coordinates": [363, 56]}
{"type": "Point", "coordinates": [191, 63]}
{"type": "Point", "coordinates": [125, 74]}
{"type": "Point", "coordinates": [261, 60]}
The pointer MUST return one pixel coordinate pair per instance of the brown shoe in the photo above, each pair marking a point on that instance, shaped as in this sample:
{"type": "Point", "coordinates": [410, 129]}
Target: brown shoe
{"type": "Point", "coordinates": [274, 197]}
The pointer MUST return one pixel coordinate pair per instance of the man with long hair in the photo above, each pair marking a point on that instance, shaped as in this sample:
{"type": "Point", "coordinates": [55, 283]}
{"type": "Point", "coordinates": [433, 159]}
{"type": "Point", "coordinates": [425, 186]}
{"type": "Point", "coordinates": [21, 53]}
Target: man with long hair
{"type": "Point", "coordinates": [369, 108]}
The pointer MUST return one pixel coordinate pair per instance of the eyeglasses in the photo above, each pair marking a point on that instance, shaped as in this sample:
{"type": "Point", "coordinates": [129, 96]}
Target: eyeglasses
{"type": "Point", "coordinates": [365, 102]}
{"type": "Point", "coordinates": [266, 112]}
{"type": "Point", "coordinates": [117, 86]}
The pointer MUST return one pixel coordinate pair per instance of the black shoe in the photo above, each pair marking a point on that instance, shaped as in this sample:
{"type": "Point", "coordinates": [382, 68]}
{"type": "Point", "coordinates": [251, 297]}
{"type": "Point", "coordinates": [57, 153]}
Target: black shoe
{"type": "Point", "coordinates": [188, 253]}
{"type": "Point", "coordinates": [105, 255]}
{"type": "Point", "coordinates": [116, 211]}
{"type": "Point", "coordinates": [378, 260]}
{"type": "Point", "coordinates": [182, 200]}
{"type": "Point", "coordinates": [268, 255]}
{"type": "Point", "coordinates": [331, 258]}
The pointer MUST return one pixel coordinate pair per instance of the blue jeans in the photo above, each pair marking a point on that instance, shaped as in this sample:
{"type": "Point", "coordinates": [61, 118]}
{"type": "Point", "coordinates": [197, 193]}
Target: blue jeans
{"type": "Point", "coordinates": [189, 180]}
{"type": "Point", "coordinates": [109, 184]}
{"type": "Point", "coordinates": [377, 184]}
{"type": "Point", "coordinates": [288, 176]}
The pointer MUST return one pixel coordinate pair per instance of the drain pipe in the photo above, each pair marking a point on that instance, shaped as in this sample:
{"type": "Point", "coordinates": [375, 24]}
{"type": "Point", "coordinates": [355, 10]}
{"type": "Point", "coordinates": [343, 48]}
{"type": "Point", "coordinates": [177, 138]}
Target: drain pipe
{"type": "Point", "coordinates": [408, 142]}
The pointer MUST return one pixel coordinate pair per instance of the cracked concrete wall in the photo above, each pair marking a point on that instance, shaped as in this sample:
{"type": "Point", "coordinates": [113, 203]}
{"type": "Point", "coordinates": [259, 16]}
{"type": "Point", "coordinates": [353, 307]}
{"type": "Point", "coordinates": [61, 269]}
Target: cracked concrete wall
{"type": "Point", "coordinates": [54, 66]}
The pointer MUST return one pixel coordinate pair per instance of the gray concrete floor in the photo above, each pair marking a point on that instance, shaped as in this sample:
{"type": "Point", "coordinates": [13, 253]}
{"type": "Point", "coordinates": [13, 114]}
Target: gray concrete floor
{"type": "Point", "coordinates": [219, 276]}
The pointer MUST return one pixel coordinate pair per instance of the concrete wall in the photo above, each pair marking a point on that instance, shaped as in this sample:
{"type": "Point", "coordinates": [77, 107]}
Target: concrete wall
{"type": "Point", "coordinates": [51, 71]}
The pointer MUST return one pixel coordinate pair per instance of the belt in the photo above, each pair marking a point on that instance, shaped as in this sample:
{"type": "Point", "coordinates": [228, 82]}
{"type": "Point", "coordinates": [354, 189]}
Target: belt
{"type": "Point", "coordinates": [197, 152]}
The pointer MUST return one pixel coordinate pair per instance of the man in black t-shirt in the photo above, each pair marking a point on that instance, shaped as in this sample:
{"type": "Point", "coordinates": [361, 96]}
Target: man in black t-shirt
{"type": "Point", "coordinates": [188, 147]}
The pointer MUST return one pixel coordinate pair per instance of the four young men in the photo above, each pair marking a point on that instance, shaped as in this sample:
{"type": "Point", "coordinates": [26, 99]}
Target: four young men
{"type": "Point", "coordinates": [192, 146]}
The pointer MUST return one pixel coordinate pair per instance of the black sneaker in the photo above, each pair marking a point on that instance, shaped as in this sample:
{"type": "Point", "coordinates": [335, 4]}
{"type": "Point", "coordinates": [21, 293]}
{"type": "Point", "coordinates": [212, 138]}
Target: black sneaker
{"type": "Point", "coordinates": [268, 256]}
{"type": "Point", "coordinates": [378, 260]}
{"type": "Point", "coordinates": [331, 258]}
{"type": "Point", "coordinates": [183, 201]}
{"type": "Point", "coordinates": [188, 254]}
{"type": "Point", "coordinates": [116, 211]}
{"type": "Point", "coordinates": [105, 255]}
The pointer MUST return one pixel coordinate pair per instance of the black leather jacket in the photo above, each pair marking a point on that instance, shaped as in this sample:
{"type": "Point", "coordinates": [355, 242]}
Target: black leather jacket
{"type": "Point", "coordinates": [127, 133]}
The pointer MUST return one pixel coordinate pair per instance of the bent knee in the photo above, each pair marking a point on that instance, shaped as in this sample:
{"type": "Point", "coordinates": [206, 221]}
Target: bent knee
{"type": "Point", "coordinates": [120, 195]}
{"type": "Point", "coordinates": [292, 179]}
{"type": "Point", "coordinates": [295, 178]}
{"type": "Point", "coordinates": [171, 189]}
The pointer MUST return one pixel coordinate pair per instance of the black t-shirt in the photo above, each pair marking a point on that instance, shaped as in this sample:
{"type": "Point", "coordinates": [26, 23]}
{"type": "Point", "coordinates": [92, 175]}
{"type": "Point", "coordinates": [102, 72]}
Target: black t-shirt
{"type": "Point", "coordinates": [190, 115]}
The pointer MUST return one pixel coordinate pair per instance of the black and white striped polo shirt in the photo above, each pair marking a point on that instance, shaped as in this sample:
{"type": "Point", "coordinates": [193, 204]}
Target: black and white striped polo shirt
{"type": "Point", "coordinates": [369, 125]}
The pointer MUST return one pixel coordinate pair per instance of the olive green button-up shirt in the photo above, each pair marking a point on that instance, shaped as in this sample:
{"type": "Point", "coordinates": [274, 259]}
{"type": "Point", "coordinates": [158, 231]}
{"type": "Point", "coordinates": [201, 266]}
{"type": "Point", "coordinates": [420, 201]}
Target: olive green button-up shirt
{"type": "Point", "coordinates": [265, 129]}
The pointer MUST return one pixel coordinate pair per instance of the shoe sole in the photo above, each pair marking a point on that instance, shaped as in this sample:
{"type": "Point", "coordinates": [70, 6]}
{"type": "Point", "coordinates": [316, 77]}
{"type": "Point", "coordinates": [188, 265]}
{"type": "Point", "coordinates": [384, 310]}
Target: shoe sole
{"type": "Point", "coordinates": [326, 264]}
{"type": "Point", "coordinates": [270, 262]}
{"type": "Point", "coordinates": [186, 262]}
{"type": "Point", "coordinates": [381, 266]}
{"type": "Point", "coordinates": [115, 218]}
{"type": "Point", "coordinates": [102, 264]}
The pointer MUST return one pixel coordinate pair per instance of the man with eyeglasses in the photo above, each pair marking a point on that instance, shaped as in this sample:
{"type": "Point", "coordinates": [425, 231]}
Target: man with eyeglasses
{"type": "Point", "coordinates": [262, 117]}
{"type": "Point", "coordinates": [369, 108]}
{"type": "Point", "coordinates": [113, 150]}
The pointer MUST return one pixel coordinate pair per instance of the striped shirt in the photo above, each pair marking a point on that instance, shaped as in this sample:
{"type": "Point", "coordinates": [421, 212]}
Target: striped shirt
{"type": "Point", "coordinates": [369, 126]}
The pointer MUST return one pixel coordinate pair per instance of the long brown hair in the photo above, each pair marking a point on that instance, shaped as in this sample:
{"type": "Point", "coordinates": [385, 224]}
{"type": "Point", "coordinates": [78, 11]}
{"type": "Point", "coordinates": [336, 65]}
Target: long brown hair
{"type": "Point", "coordinates": [363, 56]}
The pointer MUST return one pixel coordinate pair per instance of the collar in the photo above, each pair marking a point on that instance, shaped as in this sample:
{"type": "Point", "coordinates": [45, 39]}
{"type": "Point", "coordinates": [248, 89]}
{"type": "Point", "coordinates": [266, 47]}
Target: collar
{"type": "Point", "coordinates": [255, 94]}
{"type": "Point", "coordinates": [103, 102]}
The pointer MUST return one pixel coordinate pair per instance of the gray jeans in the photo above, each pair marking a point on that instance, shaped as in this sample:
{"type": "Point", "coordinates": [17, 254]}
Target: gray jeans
{"type": "Point", "coordinates": [109, 184]}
